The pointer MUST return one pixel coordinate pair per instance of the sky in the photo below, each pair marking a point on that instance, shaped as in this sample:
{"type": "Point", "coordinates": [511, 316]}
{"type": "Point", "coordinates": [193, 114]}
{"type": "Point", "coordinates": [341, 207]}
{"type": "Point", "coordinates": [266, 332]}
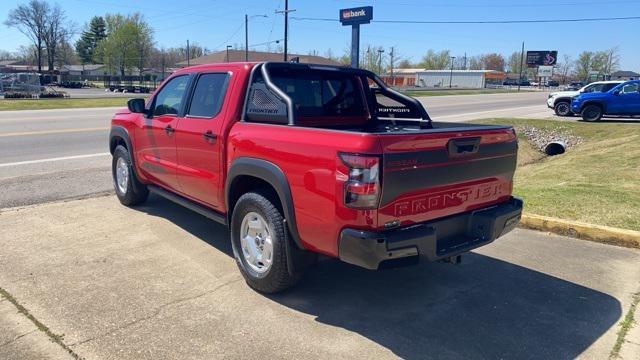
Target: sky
{"type": "Point", "coordinates": [217, 23]}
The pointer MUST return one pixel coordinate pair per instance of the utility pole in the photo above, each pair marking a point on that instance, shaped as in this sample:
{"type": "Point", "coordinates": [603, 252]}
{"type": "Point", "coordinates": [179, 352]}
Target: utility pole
{"type": "Point", "coordinates": [380, 51]}
{"type": "Point", "coordinates": [521, 64]}
{"type": "Point", "coordinates": [393, 78]}
{"type": "Point", "coordinates": [451, 73]}
{"type": "Point", "coordinates": [188, 53]}
{"type": "Point", "coordinates": [163, 64]}
{"type": "Point", "coordinates": [246, 34]}
{"type": "Point", "coordinates": [246, 37]}
{"type": "Point", "coordinates": [286, 12]}
{"type": "Point", "coordinates": [465, 61]}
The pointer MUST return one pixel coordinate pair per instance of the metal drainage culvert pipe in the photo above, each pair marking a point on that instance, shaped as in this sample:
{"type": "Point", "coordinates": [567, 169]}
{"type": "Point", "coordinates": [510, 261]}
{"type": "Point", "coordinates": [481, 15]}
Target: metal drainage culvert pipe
{"type": "Point", "coordinates": [555, 148]}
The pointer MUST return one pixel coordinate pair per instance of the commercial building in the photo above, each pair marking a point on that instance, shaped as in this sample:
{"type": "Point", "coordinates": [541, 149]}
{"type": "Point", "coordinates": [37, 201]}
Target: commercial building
{"type": "Point", "coordinates": [234, 55]}
{"type": "Point", "coordinates": [467, 79]}
{"type": "Point", "coordinates": [625, 75]}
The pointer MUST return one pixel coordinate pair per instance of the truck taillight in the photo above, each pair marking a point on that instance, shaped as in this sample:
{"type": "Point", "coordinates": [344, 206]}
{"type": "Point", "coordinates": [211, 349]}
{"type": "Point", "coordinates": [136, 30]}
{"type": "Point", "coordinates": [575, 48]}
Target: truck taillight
{"type": "Point", "coordinates": [362, 188]}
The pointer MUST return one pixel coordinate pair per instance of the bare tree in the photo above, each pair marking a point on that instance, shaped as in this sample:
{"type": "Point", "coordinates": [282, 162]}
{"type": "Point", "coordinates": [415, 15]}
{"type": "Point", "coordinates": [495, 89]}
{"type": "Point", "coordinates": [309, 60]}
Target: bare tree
{"type": "Point", "coordinates": [565, 67]}
{"type": "Point", "coordinates": [31, 20]}
{"type": "Point", "coordinates": [56, 32]}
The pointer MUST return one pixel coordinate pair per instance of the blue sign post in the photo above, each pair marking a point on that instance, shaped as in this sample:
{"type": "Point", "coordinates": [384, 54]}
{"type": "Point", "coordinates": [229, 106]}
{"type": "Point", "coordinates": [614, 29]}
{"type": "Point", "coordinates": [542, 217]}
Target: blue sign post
{"type": "Point", "coordinates": [355, 17]}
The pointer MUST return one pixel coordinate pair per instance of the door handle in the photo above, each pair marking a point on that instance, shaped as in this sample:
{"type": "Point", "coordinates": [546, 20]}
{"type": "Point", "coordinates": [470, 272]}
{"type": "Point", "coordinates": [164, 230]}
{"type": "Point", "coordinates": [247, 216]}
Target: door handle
{"type": "Point", "coordinates": [169, 130]}
{"type": "Point", "coordinates": [209, 136]}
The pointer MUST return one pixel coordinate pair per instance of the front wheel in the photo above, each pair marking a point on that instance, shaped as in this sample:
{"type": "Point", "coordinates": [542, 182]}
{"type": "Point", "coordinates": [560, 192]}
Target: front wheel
{"type": "Point", "coordinates": [259, 238]}
{"type": "Point", "coordinates": [592, 113]}
{"type": "Point", "coordinates": [128, 189]}
{"type": "Point", "coordinates": [562, 108]}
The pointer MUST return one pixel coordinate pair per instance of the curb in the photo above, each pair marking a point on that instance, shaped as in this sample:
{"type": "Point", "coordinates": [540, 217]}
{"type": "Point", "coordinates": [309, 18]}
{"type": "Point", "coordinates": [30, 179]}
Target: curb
{"type": "Point", "coordinates": [580, 230]}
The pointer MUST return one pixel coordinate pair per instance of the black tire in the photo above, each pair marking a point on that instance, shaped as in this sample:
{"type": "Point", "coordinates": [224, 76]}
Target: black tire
{"type": "Point", "coordinates": [134, 192]}
{"type": "Point", "coordinates": [562, 108]}
{"type": "Point", "coordinates": [592, 112]}
{"type": "Point", "coordinates": [277, 277]}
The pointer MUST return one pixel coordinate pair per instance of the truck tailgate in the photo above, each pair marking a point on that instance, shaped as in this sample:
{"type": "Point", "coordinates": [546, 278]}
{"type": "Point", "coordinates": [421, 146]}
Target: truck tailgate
{"type": "Point", "coordinates": [444, 172]}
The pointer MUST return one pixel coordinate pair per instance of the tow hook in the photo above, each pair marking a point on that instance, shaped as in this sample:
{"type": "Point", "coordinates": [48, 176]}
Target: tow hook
{"type": "Point", "coordinates": [457, 259]}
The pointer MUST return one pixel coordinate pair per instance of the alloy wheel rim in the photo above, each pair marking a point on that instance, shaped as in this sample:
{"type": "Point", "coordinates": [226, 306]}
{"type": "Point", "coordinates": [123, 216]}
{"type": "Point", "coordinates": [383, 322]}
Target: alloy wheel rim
{"type": "Point", "coordinates": [122, 175]}
{"type": "Point", "coordinates": [563, 109]}
{"type": "Point", "coordinates": [256, 242]}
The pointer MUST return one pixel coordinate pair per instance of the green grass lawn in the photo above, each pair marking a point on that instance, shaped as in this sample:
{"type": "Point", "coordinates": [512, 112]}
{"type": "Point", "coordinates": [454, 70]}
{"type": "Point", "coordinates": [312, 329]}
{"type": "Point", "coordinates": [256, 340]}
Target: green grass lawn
{"type": "Point", "coordinates": [597, 181]}
{"type": "Point", "coordinates": [419, 93]}
{"type": "Point", "coordinates": [35, 104]}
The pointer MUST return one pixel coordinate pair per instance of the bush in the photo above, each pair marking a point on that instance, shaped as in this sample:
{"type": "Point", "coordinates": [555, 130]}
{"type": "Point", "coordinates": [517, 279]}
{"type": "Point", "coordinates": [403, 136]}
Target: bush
{"type": "Point", "coordinates": [17, 95]}
{"type": "Point", "coordinates": [51, 95]}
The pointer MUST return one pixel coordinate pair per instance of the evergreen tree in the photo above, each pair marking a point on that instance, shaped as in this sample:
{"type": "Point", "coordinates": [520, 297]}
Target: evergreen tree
{"type": "Point", "coordinates": [86, 45]}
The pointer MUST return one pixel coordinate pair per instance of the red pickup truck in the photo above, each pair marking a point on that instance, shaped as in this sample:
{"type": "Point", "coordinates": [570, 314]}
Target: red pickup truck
{"type": "Point", "coordinates": [302, 159]}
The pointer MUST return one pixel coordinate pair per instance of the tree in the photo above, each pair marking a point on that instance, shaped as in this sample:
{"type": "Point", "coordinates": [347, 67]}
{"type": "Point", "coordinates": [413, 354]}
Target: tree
{"type": "Point", "coordinates": [6, 55]}
{"type": "Point", "coordinates": [31, 20]}
{"type": "Point", "coordinates": [405, 64]}
{"type": "Point", "coordinates": [565, 67]}
{"type": "Point", "coordinates": [65, 54]}
{"type": "Point", "coordinates": [606, 61]}
{"type": "Point", "coordinates": [475, 63]}
{"type": "Point", "coordinates": [584, 65]}
{"type": "Point", "coordinates": [127, 45]}
{"type": "Point", "coordinates": [436, 60]}
{"type": "Point", "coordinates": [87, 44]}
{"type": "Point", "coordinates": [492, 61]}
{"type": "Point", "coordinates": [514, 62]}
{"type": "Point", "coordinates": [56, 31]}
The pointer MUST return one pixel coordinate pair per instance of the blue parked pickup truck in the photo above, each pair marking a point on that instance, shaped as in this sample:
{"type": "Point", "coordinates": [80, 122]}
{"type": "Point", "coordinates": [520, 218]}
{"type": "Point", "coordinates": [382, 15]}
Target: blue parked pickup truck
{"type": "Point", "coordinates": [623, 99]}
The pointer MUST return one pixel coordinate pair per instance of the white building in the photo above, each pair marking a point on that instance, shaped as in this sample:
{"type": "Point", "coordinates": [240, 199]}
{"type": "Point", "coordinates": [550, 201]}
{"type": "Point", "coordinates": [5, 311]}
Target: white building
{"type": "Point", "coordinates": [467, 79]}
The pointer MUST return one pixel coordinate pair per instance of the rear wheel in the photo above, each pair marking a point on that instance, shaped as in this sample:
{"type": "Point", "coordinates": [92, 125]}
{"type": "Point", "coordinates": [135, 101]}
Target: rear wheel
{"type": "Point", "coordinates": [259, 244]}
{"type": "Point", "coordinates": [562, 108]}
{"type": "Point", "coordinates": [592, 112]}
{"type": "Point", "coordinates": [129, 190]}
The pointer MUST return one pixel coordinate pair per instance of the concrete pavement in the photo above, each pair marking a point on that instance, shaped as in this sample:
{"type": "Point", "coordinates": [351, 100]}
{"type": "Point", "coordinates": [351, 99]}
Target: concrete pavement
{"type": "Point", "coordinates": [50, 155]}
{"type": "Point", "coordinates": [159, 282]}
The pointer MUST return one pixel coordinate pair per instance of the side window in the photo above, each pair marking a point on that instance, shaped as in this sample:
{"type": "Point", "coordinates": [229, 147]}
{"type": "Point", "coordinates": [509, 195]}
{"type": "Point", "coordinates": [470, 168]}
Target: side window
{"type": "Point", "coordinates": [629, 88]}
{"type": "Point", "coordinates": [169, 99]}
{"type": "Point", "coordinates": [208, 95]}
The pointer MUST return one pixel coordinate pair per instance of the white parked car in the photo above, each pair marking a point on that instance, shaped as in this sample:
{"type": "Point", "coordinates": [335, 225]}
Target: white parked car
{"type": "Point", "coordinates": [560, 101]}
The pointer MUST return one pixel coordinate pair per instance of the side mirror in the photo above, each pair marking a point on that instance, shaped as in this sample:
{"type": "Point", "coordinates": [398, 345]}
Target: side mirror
{"type": "Point", "coordinates": [136, 106]}
{"type": "Point", "coordinates": [616, 92]}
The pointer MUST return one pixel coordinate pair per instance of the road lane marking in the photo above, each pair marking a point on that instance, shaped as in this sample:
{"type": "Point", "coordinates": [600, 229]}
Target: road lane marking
{"type": "Point", "coordinates": [56, 131]}
{"type": "Point", "coordinates": [63, 158]}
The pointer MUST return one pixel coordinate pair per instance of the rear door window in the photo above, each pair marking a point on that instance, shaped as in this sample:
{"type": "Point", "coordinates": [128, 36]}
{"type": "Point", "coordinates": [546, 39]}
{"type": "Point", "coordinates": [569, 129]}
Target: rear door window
{"type": "Point", "coordinates": [208, 95]}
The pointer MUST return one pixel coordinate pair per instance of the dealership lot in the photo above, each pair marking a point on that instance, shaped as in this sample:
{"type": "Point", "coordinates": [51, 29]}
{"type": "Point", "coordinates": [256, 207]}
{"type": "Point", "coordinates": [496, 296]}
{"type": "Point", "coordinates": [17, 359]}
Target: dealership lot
{"type": "Point", "coordinates": [159, 282]}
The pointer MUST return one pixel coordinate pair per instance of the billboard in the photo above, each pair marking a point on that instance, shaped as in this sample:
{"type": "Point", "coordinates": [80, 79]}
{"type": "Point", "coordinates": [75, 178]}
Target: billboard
{"type": "Point", "coordinates": [356, 16]}
{"type": "Point", "coordinates": [544, 58]}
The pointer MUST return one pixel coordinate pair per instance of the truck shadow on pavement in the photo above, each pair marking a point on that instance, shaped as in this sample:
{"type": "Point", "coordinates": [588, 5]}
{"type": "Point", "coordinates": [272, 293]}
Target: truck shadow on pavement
{"type": "Point", "coordinates": [482, 308]}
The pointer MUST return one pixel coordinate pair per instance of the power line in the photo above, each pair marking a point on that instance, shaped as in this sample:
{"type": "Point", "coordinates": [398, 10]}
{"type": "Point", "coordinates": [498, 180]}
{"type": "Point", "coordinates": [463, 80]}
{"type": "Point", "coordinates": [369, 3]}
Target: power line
{"type": "Point", "coordinates": [479, 21]}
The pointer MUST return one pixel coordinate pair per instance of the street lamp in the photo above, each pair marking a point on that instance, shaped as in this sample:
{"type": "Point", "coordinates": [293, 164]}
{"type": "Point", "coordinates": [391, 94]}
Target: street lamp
{"type": "Point", "coordinates": [246, 34]}
{"type": "Point", "coordinates": [228, 47]}
{"type": "Point", "coordinates": [451, 73]}
{"type": "Point", "coordinates": [380, 51]}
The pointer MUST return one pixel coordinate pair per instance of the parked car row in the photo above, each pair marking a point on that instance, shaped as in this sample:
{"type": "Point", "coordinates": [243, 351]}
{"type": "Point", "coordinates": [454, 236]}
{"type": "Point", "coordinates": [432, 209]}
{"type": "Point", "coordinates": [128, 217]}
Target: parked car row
{"type": "Point", "coordinates": [525, 82]}
{"type": "Point", "coordinates": [593, 101]}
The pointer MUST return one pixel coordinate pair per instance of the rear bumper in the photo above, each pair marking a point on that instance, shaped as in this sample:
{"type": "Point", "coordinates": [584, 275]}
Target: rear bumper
{"type": "Point", "coordinates": [432, 240]}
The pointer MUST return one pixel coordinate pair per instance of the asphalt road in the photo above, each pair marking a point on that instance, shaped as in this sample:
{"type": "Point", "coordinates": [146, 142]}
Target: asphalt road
{"type": "Point", "coordinates": [160, 282]}
{"type": "Point", "coordinates": [50, 155]}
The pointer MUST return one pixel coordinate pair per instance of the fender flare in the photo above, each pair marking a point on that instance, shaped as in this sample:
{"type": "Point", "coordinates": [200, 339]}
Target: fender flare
{"type": "Point", "coordinates": [122, 133]}
{"type": "Point", "coordinates": [273, 175]}
{"type": "Point", "coordinates": [595, 102]}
